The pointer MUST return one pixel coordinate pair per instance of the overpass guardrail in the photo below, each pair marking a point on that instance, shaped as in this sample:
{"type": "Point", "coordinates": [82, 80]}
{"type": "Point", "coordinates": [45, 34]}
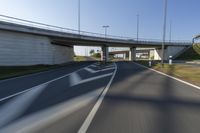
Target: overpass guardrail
{"type": "Point", "coordinates": [29, 23]}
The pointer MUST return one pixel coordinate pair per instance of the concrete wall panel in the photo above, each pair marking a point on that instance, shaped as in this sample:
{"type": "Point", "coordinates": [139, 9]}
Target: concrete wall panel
{"type": "Point", "coordinates": [18, 49]}
{"type": "Point", "coordinates": [169, 51]}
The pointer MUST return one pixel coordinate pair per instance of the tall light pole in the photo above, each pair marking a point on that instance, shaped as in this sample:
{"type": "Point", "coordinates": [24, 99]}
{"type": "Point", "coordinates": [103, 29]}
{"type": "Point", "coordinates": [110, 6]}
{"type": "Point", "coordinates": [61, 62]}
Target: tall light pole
{"type": "Point", "coordinates": [105, 53]}
{"type": "Point", "coordinates": [138, 26]}
{"type": "Point", "coordinates": [106, 28]}
{"type": "Point", "coordinates": [164, 33]}
{"type": "Point", "coordinates": [79, 17]}
{"type": "Point", "coordinates": [170, 32]}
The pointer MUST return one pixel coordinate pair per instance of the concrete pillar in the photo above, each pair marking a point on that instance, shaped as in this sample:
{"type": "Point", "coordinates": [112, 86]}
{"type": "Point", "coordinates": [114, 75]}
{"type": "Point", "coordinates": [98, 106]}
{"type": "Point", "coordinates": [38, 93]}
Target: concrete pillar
{"type": "Point", "coordinates": [132, 54]}
{"type": "Point", "coordinates": [124, 55]}
{"type": "Point", "coordinates": [104, 54]}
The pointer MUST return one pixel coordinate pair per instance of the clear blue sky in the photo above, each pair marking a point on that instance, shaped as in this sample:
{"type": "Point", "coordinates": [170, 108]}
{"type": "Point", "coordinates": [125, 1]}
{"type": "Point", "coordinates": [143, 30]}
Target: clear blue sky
{"type": "Point", "coordinates": [119, 14]}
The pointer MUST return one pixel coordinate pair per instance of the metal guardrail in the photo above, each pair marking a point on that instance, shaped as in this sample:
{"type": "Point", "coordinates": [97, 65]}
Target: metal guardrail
{"type": "Point", "coordinates": [29, 23]}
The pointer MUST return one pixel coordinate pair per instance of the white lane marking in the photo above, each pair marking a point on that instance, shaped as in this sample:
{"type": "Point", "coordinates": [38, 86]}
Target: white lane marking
{"type": "Point", "coordinates": [74, 79]}
{"type": "Point", "coordinates": [29, 75]}
{"type": "Point", "coordinates": [94, 66]}
{"type": "Point", "coordinates": [94, 110]}
{"type": "Point", "coordinates": [96, 71]}
{"type": "Point", "coordinates": [51, 115]}
{"type": "Point", "coordinates": [92, 79]}
{"type": "Point", "coordinates": [90, 70]}
{"type": "Point", "coordinates": [187, 83]}
{"type": "Point", "coordinates": [18, 105]}
{"type": "Point", "coordinates": [16, 94]}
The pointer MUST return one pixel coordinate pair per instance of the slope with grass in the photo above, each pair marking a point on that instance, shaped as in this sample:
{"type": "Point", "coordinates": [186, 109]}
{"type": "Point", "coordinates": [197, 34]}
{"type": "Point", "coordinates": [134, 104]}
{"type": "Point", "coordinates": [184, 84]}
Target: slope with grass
{"type": "Point", "coordinates": [192, 53]}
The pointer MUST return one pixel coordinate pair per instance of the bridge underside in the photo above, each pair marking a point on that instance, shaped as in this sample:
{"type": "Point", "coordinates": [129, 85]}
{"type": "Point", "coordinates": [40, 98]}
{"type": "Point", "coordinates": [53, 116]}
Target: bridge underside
{"type": "Point", "coordinates": [82, 42]}
{"type": "Point", "coordinates": [44, 46]}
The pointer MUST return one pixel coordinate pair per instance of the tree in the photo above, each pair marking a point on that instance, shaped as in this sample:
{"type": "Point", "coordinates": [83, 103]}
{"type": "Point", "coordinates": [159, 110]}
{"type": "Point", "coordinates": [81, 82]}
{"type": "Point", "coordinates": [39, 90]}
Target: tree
{"type": "Point", "coordinates": [92, 51]}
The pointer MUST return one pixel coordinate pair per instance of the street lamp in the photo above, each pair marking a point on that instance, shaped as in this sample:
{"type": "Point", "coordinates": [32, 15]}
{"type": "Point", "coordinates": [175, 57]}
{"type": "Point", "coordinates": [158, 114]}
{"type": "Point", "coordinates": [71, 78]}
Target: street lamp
{"type": "Point", "coordinates": [138, 24]}
{"type": "Point", "coordinates": [105, 53]}
{"type": "Point", "coordinates": [106, 27]}
{"type": "Point", "coordinates": [170, 32]}
{"type": "Point", "coordinates": [164, 33]}
{"type": "Point", "coordinates": [79, 17]}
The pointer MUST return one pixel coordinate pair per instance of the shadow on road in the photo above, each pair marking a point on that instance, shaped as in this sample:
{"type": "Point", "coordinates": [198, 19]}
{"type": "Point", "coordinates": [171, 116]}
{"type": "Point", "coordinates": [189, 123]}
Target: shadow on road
{"type": "Point", "coordinates": [147, 99]}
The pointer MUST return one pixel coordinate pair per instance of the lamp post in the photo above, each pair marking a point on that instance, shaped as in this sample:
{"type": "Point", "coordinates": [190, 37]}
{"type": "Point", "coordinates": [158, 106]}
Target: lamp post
{"type": "Point", "coordinates": [105, 53]}
{"type": "Point", "coordinates": [170, 32]}
{"type": "Point", "coordinates": [106, 28]}
{"type": "Point", "coordinates": [79, 17]}
{"type": "Point", "coordinates": [164, 33]}
{"type": "Point", "coordinates": [138, 26]}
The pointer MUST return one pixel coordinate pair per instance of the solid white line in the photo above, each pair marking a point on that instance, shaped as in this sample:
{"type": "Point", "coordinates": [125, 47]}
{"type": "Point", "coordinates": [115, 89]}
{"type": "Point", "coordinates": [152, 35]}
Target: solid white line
{"type": "Point", "coordinates": [18, 105]}
{"type": "Point", "coordinates": [28, 75]}
{"type": "Point", "coordinates": [90, 70]}
{"type": "Point", "coordinates": [94, 66]}
{"type": "Point", "coordinates": [5, 98]}
{"type": "Point", "coordinates": [44, 118]}
{"type": "Point", "coordinates": [187, 83]}
{"type": "Point", "coordinates": [94, 110]}
{"type": "Point", "coordinates": [106, 69]}
{"type": "Point", "coordinates": [93, 78]}
{"type": "Point", "coordinates": [10, 96]}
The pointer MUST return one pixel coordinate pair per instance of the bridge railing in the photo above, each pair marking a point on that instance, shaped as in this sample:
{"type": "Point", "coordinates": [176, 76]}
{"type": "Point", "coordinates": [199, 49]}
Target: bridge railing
{"type": "Point", "coordinates": [29, 23]}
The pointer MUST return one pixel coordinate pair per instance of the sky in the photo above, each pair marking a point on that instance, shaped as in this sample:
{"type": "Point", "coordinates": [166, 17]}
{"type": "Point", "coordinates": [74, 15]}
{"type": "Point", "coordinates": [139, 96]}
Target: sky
{"type": "Point", "coordinates": [120, 15]}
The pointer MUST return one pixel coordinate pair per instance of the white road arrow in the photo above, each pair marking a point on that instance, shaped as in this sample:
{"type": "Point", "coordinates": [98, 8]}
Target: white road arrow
{"type": "Point", "coordinates": [96, 71]}
{"type": "Point", "coordinates": [74, 79]}
{"type": "Point", "coordinates": [77, 82]}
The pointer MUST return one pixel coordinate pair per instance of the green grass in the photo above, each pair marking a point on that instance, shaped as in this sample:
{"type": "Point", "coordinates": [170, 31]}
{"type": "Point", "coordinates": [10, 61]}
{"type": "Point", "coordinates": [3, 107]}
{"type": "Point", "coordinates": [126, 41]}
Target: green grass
{"type": "Point", "coordinates": [185, 72]}
{"type": "Point", "coordinates": [192, 53]}
{"type": "Point", "coordinates": [8, 72]}
{"type": "Point", "coordinates": [79, 58]}
{"type": "Point", "coordinates": [196, 48]}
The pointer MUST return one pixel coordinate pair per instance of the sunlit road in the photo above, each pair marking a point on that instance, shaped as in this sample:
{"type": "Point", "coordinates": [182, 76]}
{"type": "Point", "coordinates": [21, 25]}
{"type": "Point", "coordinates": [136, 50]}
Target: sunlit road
{"type": "Point", "coordinates": [119, 97]}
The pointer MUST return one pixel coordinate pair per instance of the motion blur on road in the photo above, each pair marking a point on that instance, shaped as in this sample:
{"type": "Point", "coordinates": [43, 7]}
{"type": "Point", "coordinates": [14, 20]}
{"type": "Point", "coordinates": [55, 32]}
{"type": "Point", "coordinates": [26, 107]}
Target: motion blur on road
{"type": "Point", "coordinates": [99, 66]}
{"type": "Point", "coordinates": [95, 98]}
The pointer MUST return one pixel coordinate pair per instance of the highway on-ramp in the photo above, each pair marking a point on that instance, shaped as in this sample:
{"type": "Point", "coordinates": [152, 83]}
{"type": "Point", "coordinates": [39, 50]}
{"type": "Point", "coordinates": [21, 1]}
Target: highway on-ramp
{"type": "Point", "coordinates": [121, 97]}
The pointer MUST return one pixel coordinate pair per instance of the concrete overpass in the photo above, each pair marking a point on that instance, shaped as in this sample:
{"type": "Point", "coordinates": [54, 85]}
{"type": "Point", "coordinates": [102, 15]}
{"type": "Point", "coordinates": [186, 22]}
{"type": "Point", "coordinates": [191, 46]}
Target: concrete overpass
{"type": "Point", "coordinates": [126, 53]}
{"type": "Point", "coordinates": [60, 38]}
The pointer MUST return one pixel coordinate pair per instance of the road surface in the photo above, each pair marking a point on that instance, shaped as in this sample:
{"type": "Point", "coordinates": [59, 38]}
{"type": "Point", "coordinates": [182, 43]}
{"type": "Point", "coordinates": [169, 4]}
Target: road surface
{"type": "Point", "coordinates": [119, 97]}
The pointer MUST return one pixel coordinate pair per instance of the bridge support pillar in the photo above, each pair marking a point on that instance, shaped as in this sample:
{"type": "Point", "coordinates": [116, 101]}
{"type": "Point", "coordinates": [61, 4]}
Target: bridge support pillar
{"type": "Point", "coordinates": [132, 54]}
{"type": "Point", "coordinates": [124, 56]}
{"type": "Point", "coordinates": [104, 54]}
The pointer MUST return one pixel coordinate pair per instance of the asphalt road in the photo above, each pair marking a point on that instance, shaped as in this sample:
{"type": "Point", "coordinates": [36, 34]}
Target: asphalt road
{"type": "Point", "coordinates": [114, 98]}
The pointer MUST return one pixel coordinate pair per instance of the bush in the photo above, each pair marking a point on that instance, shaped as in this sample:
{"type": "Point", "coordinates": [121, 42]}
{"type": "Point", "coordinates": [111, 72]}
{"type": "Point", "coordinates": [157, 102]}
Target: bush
{"type": "Point", "coordinates": [96, 55]}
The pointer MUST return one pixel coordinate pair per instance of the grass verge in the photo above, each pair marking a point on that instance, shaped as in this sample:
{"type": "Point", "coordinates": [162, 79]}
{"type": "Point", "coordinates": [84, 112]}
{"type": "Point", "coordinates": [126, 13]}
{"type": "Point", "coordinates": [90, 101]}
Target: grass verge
{"type": "Point", "coordinates": [10, 72]}
{"type": "Point", "coordinates": [185, 72]}
{"type": "Point", "coordinates": [80, 58]}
